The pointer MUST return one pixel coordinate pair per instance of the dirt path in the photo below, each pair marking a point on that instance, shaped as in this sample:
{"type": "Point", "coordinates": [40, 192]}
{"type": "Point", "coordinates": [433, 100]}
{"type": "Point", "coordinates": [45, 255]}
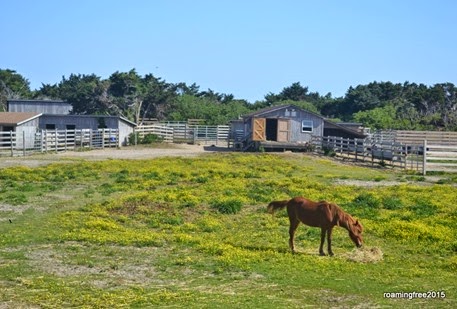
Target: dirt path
{"type": "Point", "coordinates": [133, 153]}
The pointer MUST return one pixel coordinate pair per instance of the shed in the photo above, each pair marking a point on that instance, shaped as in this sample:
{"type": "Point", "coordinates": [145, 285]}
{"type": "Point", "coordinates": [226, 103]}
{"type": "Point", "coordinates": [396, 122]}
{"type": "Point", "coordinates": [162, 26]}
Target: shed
{"type": "Point", "coordinates": [92, 122]}
{"type": "Point", "coordinates": [283, 127]}
{"type": "Point", "coordinates": [22, 125]}
{"type": "Point", "coordinates": [40, 106]}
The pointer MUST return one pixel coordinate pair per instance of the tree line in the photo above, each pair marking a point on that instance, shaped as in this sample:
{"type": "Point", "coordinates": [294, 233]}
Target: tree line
{"type": "Point", "coordinates": [379, 105]}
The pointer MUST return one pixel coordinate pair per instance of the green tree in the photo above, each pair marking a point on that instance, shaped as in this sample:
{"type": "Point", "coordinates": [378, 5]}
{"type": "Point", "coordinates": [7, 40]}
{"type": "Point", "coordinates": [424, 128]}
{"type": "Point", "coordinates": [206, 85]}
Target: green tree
{"type": "Point", "coordinates": [137, 97]}
{"type": "Point", "coordinates": [378, 118]}
{"type": "Point", "coordinates": [191, 107]}
{"type": "Point", "coordinates": [12, 86]}
{"type": "Point", "coordinates": [86, 93]}
{"type": "Point", "coordinates": [47, 91]}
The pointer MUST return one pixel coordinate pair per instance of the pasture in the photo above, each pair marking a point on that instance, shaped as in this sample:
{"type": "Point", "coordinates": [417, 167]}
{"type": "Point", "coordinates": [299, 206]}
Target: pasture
{"type": "Point", "coordinates": [194, 232]}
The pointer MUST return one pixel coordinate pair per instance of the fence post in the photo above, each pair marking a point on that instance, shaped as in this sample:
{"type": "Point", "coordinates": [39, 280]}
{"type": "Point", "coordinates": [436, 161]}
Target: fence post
{"type": "Point", "coordinates": [11, 143]}
{"type": "Point", "coordinates": [195, 134]}
{"type": "Point", "coordinates": [56, 141]}
{"type": "Point", "coordinates": [81, 138]}
{"type": "Point", "coordinates": [23, 143]}
{"type": "Point", "coordinates": [424, 162]}
{"type": "Point", "coordinates": [41, 140]}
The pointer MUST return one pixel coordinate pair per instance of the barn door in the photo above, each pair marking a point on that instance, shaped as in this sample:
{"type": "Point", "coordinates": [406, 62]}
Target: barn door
{"type": "Point", "coordinates": [283, 130]}
{"type": "Point", "coordinates": [258, 129]}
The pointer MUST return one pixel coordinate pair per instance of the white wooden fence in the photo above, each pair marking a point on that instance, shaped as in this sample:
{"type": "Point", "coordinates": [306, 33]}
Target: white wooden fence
{"type": "Point", "coordinates": [164, 132]}
{"type": "Point", "coordinates": [385, 152]}
{"type": "Point", "coordinates": [439, 158]}
{"type": "Point", "coordinates": [183, 132]}
{"type": "Point", "coordinates": [16, 144]}
{"type": "Point", "coordinates": [422, 158]}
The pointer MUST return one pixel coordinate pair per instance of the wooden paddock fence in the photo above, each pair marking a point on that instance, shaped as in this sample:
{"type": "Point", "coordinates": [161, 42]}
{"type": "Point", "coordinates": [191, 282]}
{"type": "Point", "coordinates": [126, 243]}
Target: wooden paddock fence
{"type": "Point", "coordinates": [423, 157]}
{"type": "Point", "coordinates": [439, 158]}
{"type": "Point", "coordinates": [181, 132]}
{"type": "Point", "coordinates": [368, 150]}
{"type": "Point", "coordinates": [23, 143]}
{"type": "Point", "coordinates": [417, 137]}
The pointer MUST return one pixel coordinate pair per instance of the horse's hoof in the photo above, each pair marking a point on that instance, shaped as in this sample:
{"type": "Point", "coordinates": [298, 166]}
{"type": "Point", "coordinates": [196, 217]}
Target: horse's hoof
{"type": "Point", "coordinates": [331, 254]}
{"type": "Point", "coordinates": [322, 254]}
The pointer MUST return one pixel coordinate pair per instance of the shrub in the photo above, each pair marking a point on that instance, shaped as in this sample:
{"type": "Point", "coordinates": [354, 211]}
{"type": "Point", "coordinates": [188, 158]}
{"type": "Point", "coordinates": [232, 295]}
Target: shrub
{"type": "Point", "coordinates": [423, 208]}
{"type": "Point", "coordinates": [15, 198]}
{"type": "Point", "coordinates": [392, 202]}
{"type": "Point", "coordinates": [151, 138]}
{"type": "Point", "coordinates": [367, 199]}
{"type": "Point", "coordinates": [135, 138]}
{"type": "Point", "coordinates": [328, 151]}
{"type": "Point", "coordinates": [229, 206]}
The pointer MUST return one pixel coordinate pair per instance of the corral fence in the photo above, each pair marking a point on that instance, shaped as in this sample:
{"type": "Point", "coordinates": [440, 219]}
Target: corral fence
{"type": "Point", "coordinates": [24, 143]}
{"type": "Point", "coordinates": [183, 132]}
{"type": "Point", "coordinates": [439, 158]}
{"type": "Point", "coordinates": [423, 151]}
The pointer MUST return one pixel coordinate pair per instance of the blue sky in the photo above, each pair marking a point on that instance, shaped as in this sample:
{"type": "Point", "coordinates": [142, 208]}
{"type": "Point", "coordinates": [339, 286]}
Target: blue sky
{"type": "Point", "coordinates": [246, 48]}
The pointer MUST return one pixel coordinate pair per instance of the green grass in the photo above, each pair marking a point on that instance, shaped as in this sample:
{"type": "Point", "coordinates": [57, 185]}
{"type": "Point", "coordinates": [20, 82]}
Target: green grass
{"type": "Point", "coordinates": [194, 232]}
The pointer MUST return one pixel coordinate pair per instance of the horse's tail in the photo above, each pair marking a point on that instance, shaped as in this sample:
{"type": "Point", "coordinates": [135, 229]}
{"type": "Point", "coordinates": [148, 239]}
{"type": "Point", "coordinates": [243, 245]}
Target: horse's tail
{"type": "Point", "coordinates": [275, 205]}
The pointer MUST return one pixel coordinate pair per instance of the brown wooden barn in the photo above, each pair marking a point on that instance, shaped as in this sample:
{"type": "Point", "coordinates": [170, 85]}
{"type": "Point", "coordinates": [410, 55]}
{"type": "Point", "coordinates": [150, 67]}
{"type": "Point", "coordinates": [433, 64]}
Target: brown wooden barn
{"type": "Point", "coordinates": [284, 127]}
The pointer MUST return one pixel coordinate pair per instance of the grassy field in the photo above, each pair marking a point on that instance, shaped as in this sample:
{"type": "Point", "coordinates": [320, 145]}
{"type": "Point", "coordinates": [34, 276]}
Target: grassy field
{"type": "Point", "coordinates": [194, 232]}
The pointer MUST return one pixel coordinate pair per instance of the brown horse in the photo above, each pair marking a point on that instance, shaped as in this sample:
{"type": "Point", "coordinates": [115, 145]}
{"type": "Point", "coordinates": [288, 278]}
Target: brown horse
{"type": "Point", "coordinates": [318, 214]}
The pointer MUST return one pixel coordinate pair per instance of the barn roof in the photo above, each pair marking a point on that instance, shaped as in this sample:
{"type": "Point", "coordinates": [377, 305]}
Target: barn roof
{"type": "Point", "coordinates": [16, 118]}
{"type": "Point", "coordinates": [275, 108]}
{"type": "Point", "coordinates": [37, 101]}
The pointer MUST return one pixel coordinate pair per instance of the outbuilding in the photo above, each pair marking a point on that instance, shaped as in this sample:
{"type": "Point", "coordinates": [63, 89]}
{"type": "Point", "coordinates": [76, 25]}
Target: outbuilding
{"type": "Point", "coordinates": [284, 127]}
{"type": "Point", "coordinates": [20, 127]}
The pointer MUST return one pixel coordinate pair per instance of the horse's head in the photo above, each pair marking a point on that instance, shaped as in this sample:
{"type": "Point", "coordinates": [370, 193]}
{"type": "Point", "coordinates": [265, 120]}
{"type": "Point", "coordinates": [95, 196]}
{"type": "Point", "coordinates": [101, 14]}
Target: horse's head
{"type": "Point", "coordinates": [355, 232]}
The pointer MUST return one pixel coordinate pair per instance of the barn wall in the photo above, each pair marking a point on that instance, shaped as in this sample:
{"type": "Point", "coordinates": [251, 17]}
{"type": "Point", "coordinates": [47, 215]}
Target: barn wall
{"type": "Point", "coordinates": [296, 134]}
{"type": "Point", "coordinates": [27, 130]}
{"type": "Point", "coordinates": [61, 122]}
{"type": "Point", "coordinates": [38, 106]}
{"type": "Point", "coordinates": [125, 130]}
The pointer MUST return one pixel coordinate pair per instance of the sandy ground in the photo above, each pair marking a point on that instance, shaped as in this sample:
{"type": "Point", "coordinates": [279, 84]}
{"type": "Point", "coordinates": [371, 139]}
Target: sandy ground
{"type": "Point", "coordinates": [138, 152]}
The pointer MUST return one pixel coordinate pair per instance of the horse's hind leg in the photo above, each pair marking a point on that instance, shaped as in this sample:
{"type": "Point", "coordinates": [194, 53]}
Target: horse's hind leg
{"type": "Point", "coordinates": [321, 247]}
{"type": "Point", "coordinates": [293, 227]}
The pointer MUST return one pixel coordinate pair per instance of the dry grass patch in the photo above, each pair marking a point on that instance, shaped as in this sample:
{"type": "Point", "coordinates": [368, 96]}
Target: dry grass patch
{"type": "Point", "coordinates": [365, 255]}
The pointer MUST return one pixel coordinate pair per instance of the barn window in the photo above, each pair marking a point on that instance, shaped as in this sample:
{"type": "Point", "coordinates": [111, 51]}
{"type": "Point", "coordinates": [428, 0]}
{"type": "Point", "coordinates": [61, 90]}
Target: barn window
{"type": "Point", "coordinates": [307, 126]}
{"type": "Point", "coordinates": [50, 126]}
{"type": "Point", "coordinates": [290, 113]}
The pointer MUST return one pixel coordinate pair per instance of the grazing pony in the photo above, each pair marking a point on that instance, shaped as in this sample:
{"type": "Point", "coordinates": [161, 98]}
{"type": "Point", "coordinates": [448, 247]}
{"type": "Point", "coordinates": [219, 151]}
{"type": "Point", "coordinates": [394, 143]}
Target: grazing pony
{"type": "Point", "coordinates": [318, 214]}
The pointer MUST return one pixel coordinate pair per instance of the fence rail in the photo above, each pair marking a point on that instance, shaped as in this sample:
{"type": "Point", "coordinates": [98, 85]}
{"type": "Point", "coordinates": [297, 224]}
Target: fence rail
{"type": "Point", "coordinates": [23, 143]}
{"type": "Point", "coordinates": [369, 150]}
{"type": "Point", "coordinates": [417, 137]}
{"type": "Point", "coordinates": [164, 132]}
{"type": "Point", "coordinates": [422, 158]}
{"type": "Point", "coordinates": [439, 158]}
{"type": "Point", "coordinates": [184, 132]}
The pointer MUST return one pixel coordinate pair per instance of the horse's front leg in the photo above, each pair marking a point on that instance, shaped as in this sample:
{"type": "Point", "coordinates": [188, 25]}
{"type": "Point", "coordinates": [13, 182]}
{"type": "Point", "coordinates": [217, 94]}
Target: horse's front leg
{"type": "Point", "coordinates": [321, 248]}
{"type": "Point", "coordinates": [329, 241]}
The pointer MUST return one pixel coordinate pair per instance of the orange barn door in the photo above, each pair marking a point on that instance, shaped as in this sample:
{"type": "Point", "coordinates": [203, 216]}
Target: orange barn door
{"type": "Point", "coordinates": [258, 129]}
{"type": "Point", "coordinates": [283, 130]}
